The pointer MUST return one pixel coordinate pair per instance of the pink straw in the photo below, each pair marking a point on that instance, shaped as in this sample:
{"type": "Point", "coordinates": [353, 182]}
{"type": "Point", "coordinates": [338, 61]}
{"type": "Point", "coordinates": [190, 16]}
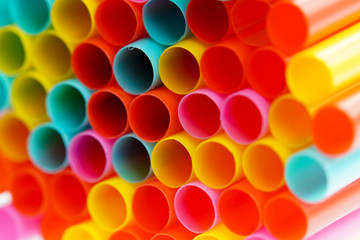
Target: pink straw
{"type": "Point", "coordinates": [90, 156]}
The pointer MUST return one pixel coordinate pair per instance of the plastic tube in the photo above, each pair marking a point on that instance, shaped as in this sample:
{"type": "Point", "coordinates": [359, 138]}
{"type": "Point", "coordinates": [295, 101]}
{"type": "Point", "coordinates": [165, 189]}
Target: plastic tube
{"type": "Point", "coordinates": [131, 158]}
{"type": "Point", "coordinates": [15, 226]}
{"type": "Point", "coordinates": [136, 66]}
{"type": "Point", "coordinates": [321, 71]}
{"type": "Point", "coordinates": [47, 145]}
{"type": "Point", "coordinates": [199, 113]}
{"type": "Point", "coordinates": [179, 66]}
{"type": "Point", "coordinates": [15, 47]}
{"type": "Point", "coordinates": [264, 162]}
{"type": "Point", "coordinates": [265, 68]}
{"type": "Point", "coordinates": [90, 156]}
{"type": "Point", "coordinates": [248, 18]}
{"type": "Point", "coordinates": [13, 136]}
{"type": "Point", "coordinates": [175, 232]}
{"type": "Point", "coordinates": [313, 177]}
{"type": "Point", "coordinates": [262, 234]}
{"type": "Point", "coordinates": [171, 159]}
{"type": "Point", "coordinates": [131, 233]}
{"type": "Point", "coordinates": [28, 94]}
{"type": "Point", "coordinates": [346, 227]}
{"type": "Point", "coordinates": [313, 22]}
{"type": "Point", "coordinates": [107, 111]}
{"type": "Point", "coordinates": [5, 18]}
{"type": "Point", "coordinates": [209, 20]}
{"type": "Point", "coordinates": [6, 172]}
{"type": "Point", "coordinates": [51, 56]}
{"type": "Point", "coordinates": [53, 226]}
{"type": "Point", "coordinates": [223, 65]}
{"type": "Point", "coordinates": [153, 207]}
{"type": "Point", "coordinates": [196, 207]}
{"type": "Point", "coordinates": [241, 208]}
{"type": "Point", "coordinates": [32, 17]}
{"type": "Point", "coordinates": [5, 84]}
{"type": "Point", "coordinates": [217, 161]}
{"type": "Point", "coordinates": [244, 116]}
{"type": "Point", "coordinates": [120, 22]}
{"type": "Point", "coordinates": [85, 230]}
{"type": "Point", "coordinates": [92, 63]}
{"type": "Point", "coordinates": [153, 115]}
{"type": "Point", "coordinates": [165, 21]}
{"type": "Point", "coordinates": [66, 104]}
{"type": "Point", "coordinates": [290, 121]}
{"type": "Point", "coordinates": [32, 200]}
{"type": "Point", "coordinates": [74, 19]}
{"type": "Point", "coordinates": [67, 196]}
{"type": "Point", "coordinates": [303, 220]}
{"type": "Point", "coordinates": [335, 126]}
{"type": "Point", "coordinates": [218, 233]}
{"type": "Point", "coordinates": [110, 203]}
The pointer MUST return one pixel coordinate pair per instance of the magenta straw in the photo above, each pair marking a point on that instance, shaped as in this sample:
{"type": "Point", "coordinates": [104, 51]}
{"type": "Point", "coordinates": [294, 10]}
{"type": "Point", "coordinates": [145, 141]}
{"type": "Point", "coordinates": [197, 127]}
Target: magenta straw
{"type": "Point", "coordinates": [244, 116]}
{"type": "Point", "coordinates": [196, 206]}
{"type": "Point", "coordinates": [90, 156]}
{"type": "Point", "coordinates": [199, 113]}
{"type": "Point", "coordinates": [14, 226]}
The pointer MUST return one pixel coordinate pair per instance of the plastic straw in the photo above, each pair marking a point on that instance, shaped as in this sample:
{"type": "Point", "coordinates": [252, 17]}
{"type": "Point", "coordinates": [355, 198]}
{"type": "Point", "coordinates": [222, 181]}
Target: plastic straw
{"type": "Point", "coordinates": [312, 21]}
{"type": "Point", "coordinates": [165, 21]}
{"type": "Point", "coordinates": [74, 19]}
{"type": "Point", "coordinates": [262, 234]}
{"type": "Point", "coordinates": [110, 203]}
{"type": "Point", "coordinates": [264, 162]}
{"type": "Point", "coordinates": [51, 56]}
{"type": "Point", "coordinates": [248, 18]}
{"type": "Point", "coordinates": [171, 159]}
{"type": "Point", "coordinates": [218, 161]}
{"type": "Point", "coordinates": [15, 47]}
{"type": "Point", "coordinates": [53, 226]}
{"type": "Point", "coordinates": [47, 145]}
{"type": "Point", "coordinates": [133, 233]}
{"type": "Point", "coordinates": [199, 113]}
{"type": "Point", "coordinates": [67, 195]}
{"type": "Point", "coordinates": [92, 63]}
{"type": "Point", "coordinates": [179, 66]}
{"type": "Point", "coordinates": [32, 17]}
{"type": "Point", "coordinates": [218, 233]}
{"type": "Point", "coordinates": [153, 207]}
{"type": "Point", "coordinates": [303, 220]}
{"type": "Point", "coordinates": [328, 67]}
{"type": "Point", "coordinates": [314, 177]}
{"type": "Point", "coordinates": [241, 207]}
{"type": "Point", "coordinates": [5, 18]}
{"type": "Point", "coordinates": [196, 207]}
{"type": "Point", "coordinates": [16, 226]}
{"type": "Point", "coordinates": [28, 93]}
{"type": "Point", "coordinates": [66, 105]}
{"type": "Point", "coordinates": [32, 200]}
{"type": "Point", "coordinates": [85, 230]}
{"type": "Point", "coordinates": [131, 158]}
{"type": "Point", "coordinates": [107, 111]}
{"type": "Point", "coordinates": [136, 66]}
{"type": "Point", "coordinates": [265, 69]}
{"type": "Point", "coordinates": [153, 115]}
{"type": "Point", "coordinates": [175, 232]}
{"type": "Point", "coordinates": [90, 156]}
{"type": "Point", "coordinates": [120, 22]}
{"type": "Point", "coordinates": [290, 121]}
{"type": "Point", "coordinates": [5, 83]}
{"type": "Point", "coordinates": [244, 116]}
{"type": "Point", "coordinates": [13, 136]}
{"type": "Point", "coordinates": [223, 65]}
{"type": "Point", "coordinates": [335, 125]}
{"type": "Point", "coordinates": [209, 20]}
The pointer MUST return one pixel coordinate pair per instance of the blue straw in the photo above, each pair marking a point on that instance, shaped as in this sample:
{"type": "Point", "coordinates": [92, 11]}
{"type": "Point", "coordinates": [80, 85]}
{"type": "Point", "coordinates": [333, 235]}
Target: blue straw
{"type": "Point", "coordinates": [165, 20]}
{"type": "Point", "coordinates": [313, 177]}
{"type": "Point", "coordinates": [136, 66]}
